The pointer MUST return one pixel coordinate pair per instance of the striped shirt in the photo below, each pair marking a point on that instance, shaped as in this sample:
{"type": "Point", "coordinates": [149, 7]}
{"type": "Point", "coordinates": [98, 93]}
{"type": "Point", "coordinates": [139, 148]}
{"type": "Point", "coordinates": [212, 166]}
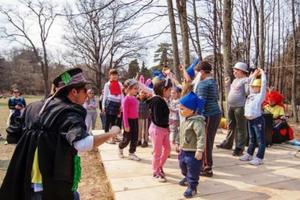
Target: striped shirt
{"type": "Point", "coordinates": [208, 90]}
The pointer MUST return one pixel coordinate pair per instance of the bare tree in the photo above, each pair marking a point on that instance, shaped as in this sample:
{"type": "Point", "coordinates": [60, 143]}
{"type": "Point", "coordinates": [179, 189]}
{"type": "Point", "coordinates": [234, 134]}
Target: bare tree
{"type": "Point", "coordinates": [294, 71]}
{"type": "Point", "coordinates": [174, 39]}
{"type": "Point", "coordinates": [261, 35]}
{"type": "Point", "coordinates": [104, 38]}
{"type": "Point", "coordinates": [256, 14]}
{"type": "Point", "coordinates": [195, 23]}
{"type": "Point", "coordinates": [227, 32]}
{"type": "Point", "coordinates": [182, 14]}
{"type": "Point", "coordinates": [43, 13]}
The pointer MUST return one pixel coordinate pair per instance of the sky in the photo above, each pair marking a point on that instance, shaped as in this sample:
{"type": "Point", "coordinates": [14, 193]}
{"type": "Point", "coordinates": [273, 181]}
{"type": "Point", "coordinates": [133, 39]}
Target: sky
{"type": "Point", "coordinates": [55, 42]}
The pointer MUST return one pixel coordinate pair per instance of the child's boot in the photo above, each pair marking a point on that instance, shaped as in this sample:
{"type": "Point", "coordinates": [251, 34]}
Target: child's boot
{"type": "Point", "coordinates": [190, 192]}
{"type": "Point", "coordinates": [183, 182]}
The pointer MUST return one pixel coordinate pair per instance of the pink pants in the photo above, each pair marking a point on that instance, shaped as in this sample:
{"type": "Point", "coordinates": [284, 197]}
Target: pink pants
{"type": "Point", "coordinates": [161, 146]}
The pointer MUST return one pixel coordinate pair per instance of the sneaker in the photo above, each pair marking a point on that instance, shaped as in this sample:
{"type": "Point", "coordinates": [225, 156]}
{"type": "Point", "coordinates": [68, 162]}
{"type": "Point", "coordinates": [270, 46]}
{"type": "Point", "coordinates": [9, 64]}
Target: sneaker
{"type": "Point", "coordinates": [132, 156]}
{"type": "Point", "coordinates": [256, 161]}
{"type": "Point", "coordinates": [160, 177]}
{"type": "Point", "coordinates": [121, 155]}
{"type": "Point", "coordinates": [246, 157]}
{"type": "Point", "coordinates": [145, 144]}
{"type": "Point", "coordinates": [183, 182]}
{"type": "Point", "coordinates": [207, 173]}
{"type": "Point", "coordinates": [237, 152]}
{"type": "Point", "coordinates": [139, 143]}
{"type": "Point", "coordinates": [190, 192]}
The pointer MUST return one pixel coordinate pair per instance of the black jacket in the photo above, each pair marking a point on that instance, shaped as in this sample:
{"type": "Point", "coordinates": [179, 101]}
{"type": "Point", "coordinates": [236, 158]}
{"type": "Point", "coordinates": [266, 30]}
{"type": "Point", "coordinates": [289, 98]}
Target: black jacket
{"type": "Point", "coordinates": [53, 133]}
{"type": "Point", "coordinates": [159, 111]}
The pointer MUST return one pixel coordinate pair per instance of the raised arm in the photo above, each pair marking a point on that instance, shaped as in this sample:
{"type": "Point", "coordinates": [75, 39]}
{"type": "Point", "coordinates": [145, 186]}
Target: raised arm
{"type": "Point", "coordinates": [263, 87]}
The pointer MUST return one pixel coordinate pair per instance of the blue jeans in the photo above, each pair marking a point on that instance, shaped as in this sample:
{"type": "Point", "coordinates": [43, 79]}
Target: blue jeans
{"type": "Point", "coordinates": [190, 167]}
{"type": "Point", "coordinates": [256, 129]}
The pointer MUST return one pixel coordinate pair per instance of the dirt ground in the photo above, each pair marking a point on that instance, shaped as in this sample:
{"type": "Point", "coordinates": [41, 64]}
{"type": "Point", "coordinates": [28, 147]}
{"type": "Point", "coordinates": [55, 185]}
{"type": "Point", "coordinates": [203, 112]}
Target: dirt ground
{"type": "Point", "coordinates": [94, 184]}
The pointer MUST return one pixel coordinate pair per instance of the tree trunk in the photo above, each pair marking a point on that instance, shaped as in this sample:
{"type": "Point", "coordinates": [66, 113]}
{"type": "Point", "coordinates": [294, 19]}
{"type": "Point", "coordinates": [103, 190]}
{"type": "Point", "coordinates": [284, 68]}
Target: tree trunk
{"type": "Point", "coordinates": [271, 74]}
{"type": "Point", "coordinates": [262, 37]}
{"type": "Point", "coordinates": [227, 32]}
{"type": "Point", "coordinates": [174, 39]}
{"type": "Point", "coordinates": [294, 79]}
{"type": "Point", "coordinates": [256, 14]}
{"type": "Point", "coordinates": [215, 38]}
{"type": "Point", "coordinates": [199, 51]}
{"type": "Point", "coordinates": [182, 14]}
{"type": "Point", "coordinates": [278, 67]}
{"type": "Point", "coordinates": [45, 65]}
{"type": "Point", "coordinates": [249, 34]}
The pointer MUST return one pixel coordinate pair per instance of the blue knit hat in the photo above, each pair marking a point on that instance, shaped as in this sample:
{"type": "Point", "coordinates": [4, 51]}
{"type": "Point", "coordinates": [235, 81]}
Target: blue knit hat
{"type": "Point", "coordinates": [190, 70]}
{"type": "Point", "coordinates": [193, 102]}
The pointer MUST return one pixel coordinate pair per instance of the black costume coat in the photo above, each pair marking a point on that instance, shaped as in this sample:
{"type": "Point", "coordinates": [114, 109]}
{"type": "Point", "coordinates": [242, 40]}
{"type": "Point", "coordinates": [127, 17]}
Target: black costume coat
{"type": "Point", "coordinates": [53, 132]}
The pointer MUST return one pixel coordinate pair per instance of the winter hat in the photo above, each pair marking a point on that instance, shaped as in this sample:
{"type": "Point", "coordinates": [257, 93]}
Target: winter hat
{"type": "Point", "coordinates": [241, 66]}
{"type": "Point", "coordinates": [193, 102]}
{"type": "Point", "coordinates": [190, 70]}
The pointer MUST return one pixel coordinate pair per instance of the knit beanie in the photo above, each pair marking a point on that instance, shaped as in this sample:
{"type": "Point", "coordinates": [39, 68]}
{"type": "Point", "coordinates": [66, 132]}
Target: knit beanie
{"type": "Point", "coordinates": [193, 102]}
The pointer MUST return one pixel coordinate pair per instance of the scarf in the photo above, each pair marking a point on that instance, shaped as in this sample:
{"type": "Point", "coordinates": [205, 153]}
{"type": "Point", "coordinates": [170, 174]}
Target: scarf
{"type": "Point", "coordinates": [115, 88]}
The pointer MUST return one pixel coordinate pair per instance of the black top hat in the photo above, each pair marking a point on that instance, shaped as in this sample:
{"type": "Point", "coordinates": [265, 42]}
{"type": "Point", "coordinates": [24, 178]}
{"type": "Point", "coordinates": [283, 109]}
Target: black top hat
{"type": "Point", "coordinates": [71, 77]}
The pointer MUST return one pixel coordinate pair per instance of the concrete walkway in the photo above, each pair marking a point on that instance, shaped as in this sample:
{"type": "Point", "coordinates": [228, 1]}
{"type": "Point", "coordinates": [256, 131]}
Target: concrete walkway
{"type": "Point", "coordinates": [278, 178]}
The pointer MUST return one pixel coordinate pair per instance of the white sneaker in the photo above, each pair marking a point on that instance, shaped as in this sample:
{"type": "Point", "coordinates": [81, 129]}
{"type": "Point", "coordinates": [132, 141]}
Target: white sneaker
{"type": "Point", "coordinates": [121, 155]}
{"type": "Point", "coordinates": [132, 156]}
{"type": "Point", "coordinates": [160, 178]}
{"type": "Point", "coordinates": [256, 161]}
{"type": "Point", "coordinates": [246, 157]}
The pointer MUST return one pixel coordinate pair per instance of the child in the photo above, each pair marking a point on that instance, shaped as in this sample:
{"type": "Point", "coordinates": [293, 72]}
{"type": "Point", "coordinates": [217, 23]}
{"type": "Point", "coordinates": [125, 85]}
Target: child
{"type": "Point", "coordinates": [112, 98]}
{"type": "Point", "coordinates": [256, 123]}
{"type": "Point", "coordinates": [143, 119]}
{"type": "Point", "coordinates": [174, 113]}
{"type": "Point", "coordinates": [16, 104]}
{"type": "Point", "coordinates": [282, 132]}
{"type": "Point", "coordinates": [130, 119]}
{"type": "Point", "coordinates": [159, 128]}
{"type": "Point", "coordinates": [91, 107]}
{"type": "Point", "coordinates": [191, 142]}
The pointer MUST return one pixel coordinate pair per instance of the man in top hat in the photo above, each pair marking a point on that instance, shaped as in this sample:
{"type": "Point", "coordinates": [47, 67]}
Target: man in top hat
{"type": "Point", "coordinates": [45, 164]}
{"type": "Point", "coordinates": [237, 123]}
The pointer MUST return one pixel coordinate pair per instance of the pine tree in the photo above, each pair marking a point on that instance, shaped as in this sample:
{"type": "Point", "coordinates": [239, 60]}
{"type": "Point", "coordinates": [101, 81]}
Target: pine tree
{"type": "Point", "coordinates": [163, 56]}
{"type": "Point", "coordinates": [133, 68]}
{"type": "Point", "coordinates": [145, 71]}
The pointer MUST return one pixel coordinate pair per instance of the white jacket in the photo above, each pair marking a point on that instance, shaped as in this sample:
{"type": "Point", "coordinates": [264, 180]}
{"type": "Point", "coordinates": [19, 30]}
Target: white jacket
{"type": "Point", "coordinates": [254, 101]}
